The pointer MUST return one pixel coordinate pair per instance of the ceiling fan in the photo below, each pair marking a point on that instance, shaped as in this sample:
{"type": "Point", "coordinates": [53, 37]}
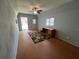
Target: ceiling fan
{"type": "Point", "coordinates": [36, 10]}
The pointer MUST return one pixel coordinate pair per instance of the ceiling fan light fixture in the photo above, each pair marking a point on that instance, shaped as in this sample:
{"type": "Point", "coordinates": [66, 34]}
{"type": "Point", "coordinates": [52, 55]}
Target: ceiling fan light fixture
{"type": "Point", "coordinates": [35, 12]}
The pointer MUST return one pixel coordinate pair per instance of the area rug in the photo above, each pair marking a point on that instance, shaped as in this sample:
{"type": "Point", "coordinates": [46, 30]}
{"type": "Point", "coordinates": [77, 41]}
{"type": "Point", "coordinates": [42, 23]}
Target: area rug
{"type": "Point", "coordinates": [37, 37]}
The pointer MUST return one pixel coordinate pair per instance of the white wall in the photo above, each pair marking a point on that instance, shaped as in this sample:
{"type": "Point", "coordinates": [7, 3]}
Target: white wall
{"type": "Point", "coordinates": [8, 30]}
{"type": "Point", "coordinates": [66, 21]}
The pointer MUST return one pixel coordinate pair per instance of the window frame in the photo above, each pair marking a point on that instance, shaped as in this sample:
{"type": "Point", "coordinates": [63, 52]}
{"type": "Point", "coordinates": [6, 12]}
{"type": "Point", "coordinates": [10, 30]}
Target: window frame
{"type": "Point", "coordinates": [49, 22]}
{"type": "Point", "coordinates": [34, 21]}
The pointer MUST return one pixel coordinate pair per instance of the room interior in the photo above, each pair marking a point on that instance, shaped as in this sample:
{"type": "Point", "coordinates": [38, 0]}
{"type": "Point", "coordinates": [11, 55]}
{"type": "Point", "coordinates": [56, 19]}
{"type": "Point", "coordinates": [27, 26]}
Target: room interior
{"type": "Point", "coordinates": [54, 20]}
{"type": "Point", "coordinates": [39, 29]}
{"type": "Point", "coordinates": [65, 14]}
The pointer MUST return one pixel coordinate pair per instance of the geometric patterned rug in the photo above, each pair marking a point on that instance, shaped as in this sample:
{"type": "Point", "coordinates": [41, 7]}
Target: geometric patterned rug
{"type": "Point", "coordinates": [37, 37]}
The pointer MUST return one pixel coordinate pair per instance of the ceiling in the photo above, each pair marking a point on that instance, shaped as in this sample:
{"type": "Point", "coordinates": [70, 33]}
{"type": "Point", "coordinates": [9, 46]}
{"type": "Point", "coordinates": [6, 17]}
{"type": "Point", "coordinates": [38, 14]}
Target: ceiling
{"type": "Point", "coordinates": [25, 6]}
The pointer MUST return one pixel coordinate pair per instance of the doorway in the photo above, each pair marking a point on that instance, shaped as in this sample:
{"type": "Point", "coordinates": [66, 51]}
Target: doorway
{"type": "Point", "coordinates": [24, 23]}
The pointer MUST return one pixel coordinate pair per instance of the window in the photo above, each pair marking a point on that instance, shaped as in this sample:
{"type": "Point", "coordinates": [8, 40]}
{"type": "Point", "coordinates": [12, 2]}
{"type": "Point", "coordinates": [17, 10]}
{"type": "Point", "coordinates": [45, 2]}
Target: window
{"type": "Point", "coordinates": [47, 22]}
{"type": "Point", "coordinates": [50, 22]}
{"type": "Point", "coordinates": [24, 22]}
{"type": "Point", "coordinates": [34, 21]}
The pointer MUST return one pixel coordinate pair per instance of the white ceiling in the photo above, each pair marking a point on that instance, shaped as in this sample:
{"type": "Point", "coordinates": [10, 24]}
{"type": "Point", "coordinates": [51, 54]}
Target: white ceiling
{"type": "Point", "coordinates": [25, 6]}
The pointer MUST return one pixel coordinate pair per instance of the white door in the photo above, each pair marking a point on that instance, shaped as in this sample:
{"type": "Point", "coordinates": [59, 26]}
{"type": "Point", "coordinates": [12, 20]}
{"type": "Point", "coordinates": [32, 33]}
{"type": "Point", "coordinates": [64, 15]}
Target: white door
{"type": "Point", "coordinates": [24, 22]}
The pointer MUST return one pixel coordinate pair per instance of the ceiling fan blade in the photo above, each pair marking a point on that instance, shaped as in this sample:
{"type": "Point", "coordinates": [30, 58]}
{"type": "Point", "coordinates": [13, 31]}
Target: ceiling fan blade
{"type": "Point", "coordinates": [39, 11]}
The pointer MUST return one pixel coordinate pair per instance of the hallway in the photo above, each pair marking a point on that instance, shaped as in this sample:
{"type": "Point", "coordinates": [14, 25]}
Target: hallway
{"type": "Point", "coordinates": [48, 49]}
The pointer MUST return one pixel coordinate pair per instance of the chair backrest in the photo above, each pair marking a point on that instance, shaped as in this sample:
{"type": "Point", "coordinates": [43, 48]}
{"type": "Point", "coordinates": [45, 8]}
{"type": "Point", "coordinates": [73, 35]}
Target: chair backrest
{"type": "Point", "coordinates": [44, 30]}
